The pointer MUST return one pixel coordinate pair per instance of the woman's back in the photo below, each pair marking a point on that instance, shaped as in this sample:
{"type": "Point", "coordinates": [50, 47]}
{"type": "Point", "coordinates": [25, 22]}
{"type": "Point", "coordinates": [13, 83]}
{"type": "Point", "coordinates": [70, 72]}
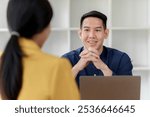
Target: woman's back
{"type": "Point", "coordinates": [45, 76]}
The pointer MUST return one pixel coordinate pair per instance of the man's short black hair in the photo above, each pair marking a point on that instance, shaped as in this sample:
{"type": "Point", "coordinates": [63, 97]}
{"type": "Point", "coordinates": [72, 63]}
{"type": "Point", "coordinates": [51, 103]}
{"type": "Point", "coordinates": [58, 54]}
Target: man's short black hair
{"type": "Point", "coordinates": [94, 14]}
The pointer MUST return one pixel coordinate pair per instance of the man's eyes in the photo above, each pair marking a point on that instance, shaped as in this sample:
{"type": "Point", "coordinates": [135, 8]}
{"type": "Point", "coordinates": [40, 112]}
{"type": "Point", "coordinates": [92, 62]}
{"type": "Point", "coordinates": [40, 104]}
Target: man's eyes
{"type": "Point", "coordinates": [86, 29]}
{"type": "Point", "coordinates": [96, 30]}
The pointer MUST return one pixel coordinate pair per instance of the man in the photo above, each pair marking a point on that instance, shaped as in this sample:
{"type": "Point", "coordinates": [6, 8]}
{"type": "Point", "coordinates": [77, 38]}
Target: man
{"type": "Point", "coordinates": [94, 58]}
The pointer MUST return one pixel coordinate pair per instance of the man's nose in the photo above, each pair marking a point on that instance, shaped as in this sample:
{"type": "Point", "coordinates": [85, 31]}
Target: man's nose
{"type": "Point", "coordinates": [92, 34]}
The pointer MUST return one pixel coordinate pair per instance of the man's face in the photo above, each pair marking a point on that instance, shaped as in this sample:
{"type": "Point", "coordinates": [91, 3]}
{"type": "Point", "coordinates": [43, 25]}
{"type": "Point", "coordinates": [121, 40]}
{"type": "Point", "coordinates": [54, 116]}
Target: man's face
{"type": "Point", "coordinates": [92, 33]}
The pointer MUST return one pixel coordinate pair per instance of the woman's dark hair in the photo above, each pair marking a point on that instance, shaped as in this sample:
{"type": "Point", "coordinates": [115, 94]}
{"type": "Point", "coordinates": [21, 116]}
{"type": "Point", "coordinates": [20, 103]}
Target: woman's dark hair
{"type": "Point", "coordinates": [27, 18]}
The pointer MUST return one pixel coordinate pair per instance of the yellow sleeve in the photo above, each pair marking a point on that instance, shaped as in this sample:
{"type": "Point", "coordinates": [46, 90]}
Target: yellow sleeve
{"type": "Point", "coordinates": [64, 85]}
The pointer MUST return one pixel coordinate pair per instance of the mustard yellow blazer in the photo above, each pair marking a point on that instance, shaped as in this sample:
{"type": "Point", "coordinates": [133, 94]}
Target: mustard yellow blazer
{"type": "Point", "coordinates": [45, 76]}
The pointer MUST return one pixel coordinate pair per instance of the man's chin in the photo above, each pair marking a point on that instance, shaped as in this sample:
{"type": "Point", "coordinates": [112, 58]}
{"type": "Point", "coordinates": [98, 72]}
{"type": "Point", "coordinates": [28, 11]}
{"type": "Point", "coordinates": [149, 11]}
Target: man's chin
{"type": "Point", "coordinates": [91, 47]}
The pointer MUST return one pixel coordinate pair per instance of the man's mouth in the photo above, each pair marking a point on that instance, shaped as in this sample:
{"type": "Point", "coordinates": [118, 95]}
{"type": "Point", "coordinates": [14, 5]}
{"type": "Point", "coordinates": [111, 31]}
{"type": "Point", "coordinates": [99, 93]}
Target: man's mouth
{"type": "Point", "coordinates": [92, 43]}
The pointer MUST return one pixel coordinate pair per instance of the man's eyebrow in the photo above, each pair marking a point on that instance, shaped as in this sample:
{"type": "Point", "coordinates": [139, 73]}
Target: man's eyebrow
{"type": "Point", "coordinates": [86, 27]}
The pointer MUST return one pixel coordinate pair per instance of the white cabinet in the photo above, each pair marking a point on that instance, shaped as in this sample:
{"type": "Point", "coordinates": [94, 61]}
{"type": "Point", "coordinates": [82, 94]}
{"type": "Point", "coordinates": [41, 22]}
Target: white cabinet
{"type": "Point", "coordinates": [128, 21]}
{"type": "Point", "coordinates": [4, 35]}
{"type": "Point", "coordinates": [130, 33]}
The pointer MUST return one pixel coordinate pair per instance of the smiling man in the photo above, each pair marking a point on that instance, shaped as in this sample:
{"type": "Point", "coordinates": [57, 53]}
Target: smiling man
{"type": "Point", "coordinates": [94, 58]}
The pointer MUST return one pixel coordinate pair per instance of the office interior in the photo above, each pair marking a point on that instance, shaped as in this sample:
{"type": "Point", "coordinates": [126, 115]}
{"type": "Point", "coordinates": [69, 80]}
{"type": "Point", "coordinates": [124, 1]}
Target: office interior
{"type": "Point", "coordinates": [128, 23]}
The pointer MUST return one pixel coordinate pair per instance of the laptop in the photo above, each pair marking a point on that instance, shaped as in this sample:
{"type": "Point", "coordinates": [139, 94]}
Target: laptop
{"type": "Point", "coordinates": [110, 87]}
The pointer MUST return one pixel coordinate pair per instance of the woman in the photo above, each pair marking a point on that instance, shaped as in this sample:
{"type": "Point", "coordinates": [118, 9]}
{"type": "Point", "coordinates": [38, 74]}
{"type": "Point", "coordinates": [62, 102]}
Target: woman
{"type": "Point", "coordinates": [27, 72]}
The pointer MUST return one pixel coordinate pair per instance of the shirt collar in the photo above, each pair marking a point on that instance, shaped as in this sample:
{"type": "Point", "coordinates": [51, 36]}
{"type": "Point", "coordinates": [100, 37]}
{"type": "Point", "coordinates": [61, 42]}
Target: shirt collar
{"type": "Point", "coordinates": [24, 42]}
{"type": "Point", "coordinates": [28, 44]}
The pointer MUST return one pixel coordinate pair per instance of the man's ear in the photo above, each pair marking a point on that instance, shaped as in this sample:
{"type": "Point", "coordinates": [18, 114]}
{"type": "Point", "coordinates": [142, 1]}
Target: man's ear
{"type": "Point", "coordinates": [79, 34]}
{"type": "Point", "coordinates": [106, 33]}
